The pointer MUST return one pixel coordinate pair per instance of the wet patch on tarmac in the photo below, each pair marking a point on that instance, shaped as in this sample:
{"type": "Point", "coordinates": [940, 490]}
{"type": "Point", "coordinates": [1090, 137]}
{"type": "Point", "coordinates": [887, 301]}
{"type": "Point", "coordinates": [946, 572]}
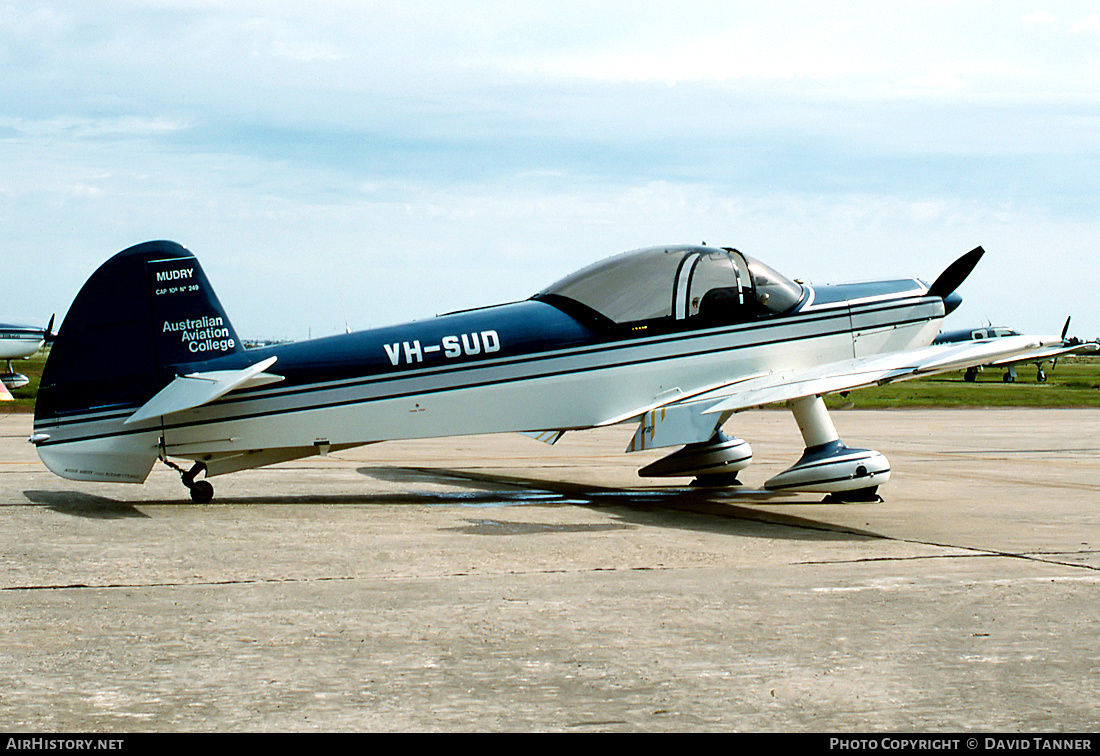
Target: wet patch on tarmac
{"type": "Point", "coordinates": [717, 505]}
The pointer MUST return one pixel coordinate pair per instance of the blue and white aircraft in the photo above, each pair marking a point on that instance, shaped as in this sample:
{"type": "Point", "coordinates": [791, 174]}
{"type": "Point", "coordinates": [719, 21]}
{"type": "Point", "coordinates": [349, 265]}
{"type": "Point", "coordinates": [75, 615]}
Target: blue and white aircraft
{"type": "Point", "coordinates": [1056, 347]}
{"type": "Point", "coordinates": [17, 341]}
{"type": "Point", "coordinates": [147, 366]}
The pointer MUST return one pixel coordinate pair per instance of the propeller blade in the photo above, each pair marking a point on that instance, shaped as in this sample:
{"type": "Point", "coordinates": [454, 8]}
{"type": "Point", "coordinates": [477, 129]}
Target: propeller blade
{"type": "Point", "coordinates": [1072, 342]}
{"type": "Point", "coordinates": [955, 274]}
{"type": "Point", "coordinates": [50, 335]}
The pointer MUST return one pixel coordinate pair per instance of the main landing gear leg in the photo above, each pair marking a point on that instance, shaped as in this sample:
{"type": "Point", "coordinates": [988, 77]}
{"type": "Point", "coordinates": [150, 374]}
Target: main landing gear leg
{"type": "Point", "coordinates": [201, 490]}
{"type": "Point", "coordinates": [827, 465]}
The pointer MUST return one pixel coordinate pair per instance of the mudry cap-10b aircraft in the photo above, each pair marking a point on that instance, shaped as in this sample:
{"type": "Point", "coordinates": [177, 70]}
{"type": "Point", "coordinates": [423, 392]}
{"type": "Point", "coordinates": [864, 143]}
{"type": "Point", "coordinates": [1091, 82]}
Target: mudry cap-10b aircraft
{"type": "Point", "coordinates": [147, 366]}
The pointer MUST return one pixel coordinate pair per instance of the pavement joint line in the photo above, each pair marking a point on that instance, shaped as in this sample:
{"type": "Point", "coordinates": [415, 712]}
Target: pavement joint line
{"type": "Point", "coordinates": [347, 578]}
{"type": "Point", "coordinates": [977, 553]}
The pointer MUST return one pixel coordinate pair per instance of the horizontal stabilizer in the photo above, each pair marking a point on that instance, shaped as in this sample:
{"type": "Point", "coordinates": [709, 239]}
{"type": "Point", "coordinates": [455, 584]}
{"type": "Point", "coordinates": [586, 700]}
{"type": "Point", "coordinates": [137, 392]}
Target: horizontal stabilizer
{"type": "Point", "coordinates": [194, 390]}
{"type": "Point", "coordinates": [5, 395]}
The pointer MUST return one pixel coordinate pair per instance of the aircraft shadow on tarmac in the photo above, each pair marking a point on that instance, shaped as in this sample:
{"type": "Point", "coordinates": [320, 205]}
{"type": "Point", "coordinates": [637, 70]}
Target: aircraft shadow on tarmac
{"type": "Point", "coordinates": [706, 509]}
{"type": "Point", "coordinates": [79, 504]}
{"type": "Point", "coordinates": [713, 510]}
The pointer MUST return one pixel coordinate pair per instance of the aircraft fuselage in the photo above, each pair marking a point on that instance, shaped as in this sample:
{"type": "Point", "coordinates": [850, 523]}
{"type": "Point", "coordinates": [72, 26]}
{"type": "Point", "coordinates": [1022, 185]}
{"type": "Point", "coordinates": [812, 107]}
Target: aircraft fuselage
{"type": "Point", "coordinates": [526, 366]}
{"type": "Point", "coordinates": [18, 341]}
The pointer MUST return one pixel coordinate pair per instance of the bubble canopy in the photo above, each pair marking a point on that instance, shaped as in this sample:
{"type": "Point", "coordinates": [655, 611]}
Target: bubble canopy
{"type": "Point", "coordinates": [691, 285]}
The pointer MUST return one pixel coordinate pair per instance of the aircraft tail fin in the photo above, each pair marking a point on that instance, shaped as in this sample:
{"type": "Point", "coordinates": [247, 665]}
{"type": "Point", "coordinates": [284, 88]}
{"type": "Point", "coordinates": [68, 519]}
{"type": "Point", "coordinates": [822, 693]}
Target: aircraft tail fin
{"type": "Point", "coordinates": [143, 312]}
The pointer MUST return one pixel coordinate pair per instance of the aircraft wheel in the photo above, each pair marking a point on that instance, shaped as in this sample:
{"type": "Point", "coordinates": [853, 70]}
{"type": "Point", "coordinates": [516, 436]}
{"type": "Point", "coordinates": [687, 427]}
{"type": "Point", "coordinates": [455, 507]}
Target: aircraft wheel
{"type": "Point", "coordinates": [1042, 377]}
{"type": "Point", "coordinates": [1007, 378]}
{"type": "Point", "coordinates": [970, 375]}
{"type": "Point", "coordinates": [718, 480]}
{"type": "Point", "coordinates": [858, 496]}
{"type": "Point", "coordinates": [202, 492]}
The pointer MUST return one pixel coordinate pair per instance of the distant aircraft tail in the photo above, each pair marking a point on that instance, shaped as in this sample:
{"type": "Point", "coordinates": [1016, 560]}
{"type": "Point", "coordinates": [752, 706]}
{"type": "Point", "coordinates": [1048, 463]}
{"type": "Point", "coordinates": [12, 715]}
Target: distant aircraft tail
{"type": "Point", "coordinates": [145, 311]}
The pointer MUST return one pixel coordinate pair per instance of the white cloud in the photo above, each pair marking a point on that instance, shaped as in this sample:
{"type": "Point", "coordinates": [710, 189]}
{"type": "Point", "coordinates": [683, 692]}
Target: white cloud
{"type": "Point", "coordinates": [78, 127]}
{"type": "Point", "coordinates": [1088, 25]}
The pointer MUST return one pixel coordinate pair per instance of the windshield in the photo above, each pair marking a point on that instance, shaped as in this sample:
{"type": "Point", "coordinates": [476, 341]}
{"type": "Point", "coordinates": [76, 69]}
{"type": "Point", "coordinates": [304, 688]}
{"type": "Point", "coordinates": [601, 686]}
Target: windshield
{"type": "Point", "coordinates": [697, 285]}
{"type": "Point", "coordinates": [774, 291]}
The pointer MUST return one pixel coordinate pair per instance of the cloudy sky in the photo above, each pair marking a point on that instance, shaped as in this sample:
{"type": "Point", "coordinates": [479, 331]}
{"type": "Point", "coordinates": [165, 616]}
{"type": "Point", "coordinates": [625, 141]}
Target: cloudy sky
{"type": "Point", "coordinates": [369, 163]}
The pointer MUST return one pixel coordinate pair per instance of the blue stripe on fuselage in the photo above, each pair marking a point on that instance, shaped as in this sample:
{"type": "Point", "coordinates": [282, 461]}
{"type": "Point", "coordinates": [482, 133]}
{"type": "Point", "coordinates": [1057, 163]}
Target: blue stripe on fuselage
{"type": "Point", "coordinates": [492, 332]}
{"type": "Point", "coordinates": [527, 331]}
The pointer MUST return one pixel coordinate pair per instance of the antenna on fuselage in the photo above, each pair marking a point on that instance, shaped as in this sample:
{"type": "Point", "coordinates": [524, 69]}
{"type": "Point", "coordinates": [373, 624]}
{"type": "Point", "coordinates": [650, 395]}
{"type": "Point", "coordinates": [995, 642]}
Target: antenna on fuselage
{"type": "Point", "coordinates": [340, 291]}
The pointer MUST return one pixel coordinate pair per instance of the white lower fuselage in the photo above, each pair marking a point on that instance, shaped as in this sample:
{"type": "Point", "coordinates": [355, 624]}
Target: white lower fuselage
{"type": "Point", "coordinates": [19, 341]}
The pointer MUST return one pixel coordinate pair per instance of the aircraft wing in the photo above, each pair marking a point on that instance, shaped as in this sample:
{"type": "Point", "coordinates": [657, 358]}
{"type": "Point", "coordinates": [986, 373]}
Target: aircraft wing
{"type": "Point", "coordinates": [1042, 354]}
{"type": "Point", "coordinates": [848, 375]}
{"type": "Point", "coordinates": [693, 418]}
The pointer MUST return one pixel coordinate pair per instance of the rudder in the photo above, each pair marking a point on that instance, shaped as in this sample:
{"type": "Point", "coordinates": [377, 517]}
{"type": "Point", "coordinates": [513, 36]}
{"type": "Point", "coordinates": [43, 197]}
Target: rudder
{"type": "Point", "coordinates": [189, 323]}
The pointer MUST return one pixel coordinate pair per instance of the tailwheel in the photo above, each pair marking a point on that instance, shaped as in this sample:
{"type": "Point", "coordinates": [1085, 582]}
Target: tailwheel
{"type": "Point", "coordinates": [202, 492]}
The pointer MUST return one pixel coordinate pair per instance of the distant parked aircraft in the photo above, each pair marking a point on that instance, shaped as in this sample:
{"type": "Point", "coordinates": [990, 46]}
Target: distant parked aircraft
{"type": "Point", "coordinates": [1058, 346]}
{"type": "Point", "coordinates": [18, 341]}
